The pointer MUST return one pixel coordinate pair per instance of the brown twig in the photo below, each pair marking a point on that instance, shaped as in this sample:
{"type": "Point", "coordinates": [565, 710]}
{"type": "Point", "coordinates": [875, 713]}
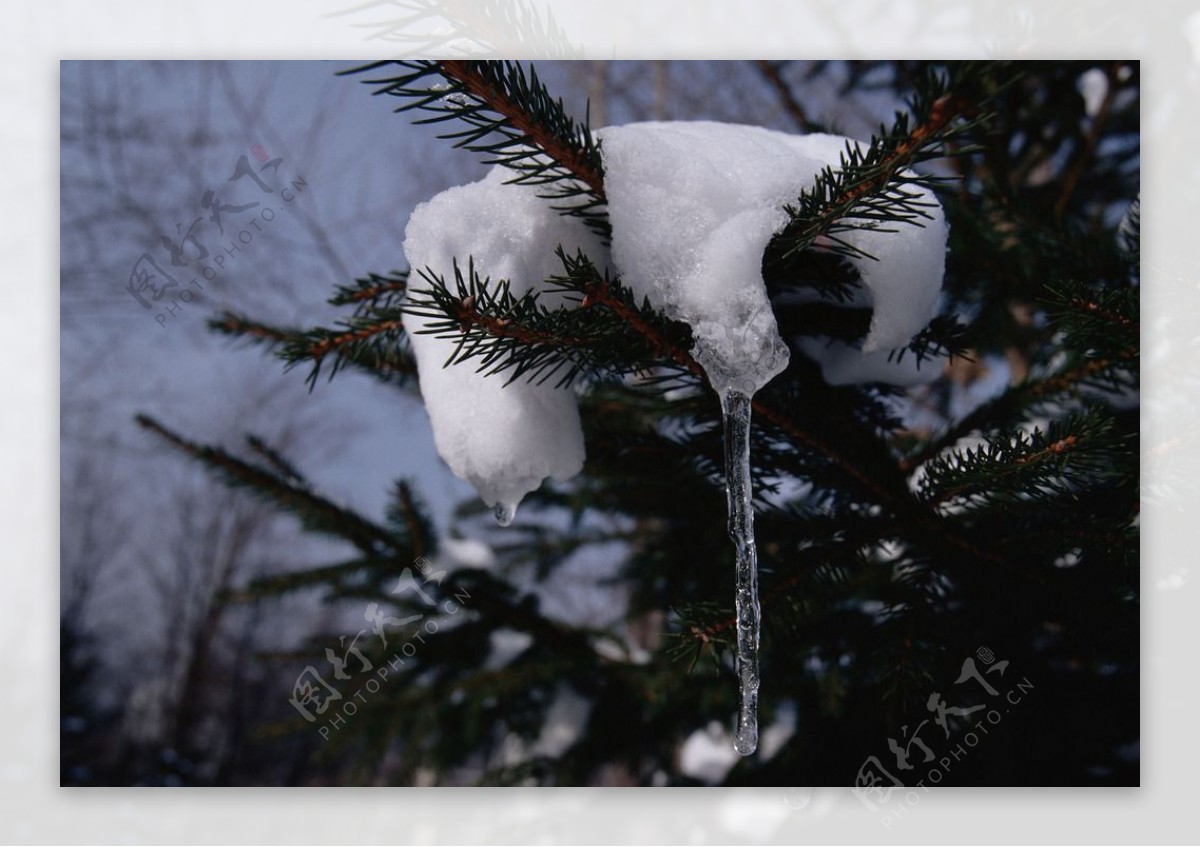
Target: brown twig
{"type": "Point", "coordinates": [234, 325]}
{"type": "Point", "coordinates": [1067, 379]}
{"type": "Point", "coordinates": [566, 155]}
{"type": "Point", "coordinates": [1093, 308]}
{"type": "Point", "coordinates": [409, 510]}
{"type": "Point", "coordinates": [467, 316]}
{"type": "Point", "coordinates": [600, 294]}
{"type": "Point", "coordinates": [322, 348]}
{"type": "Point", "coordinates": [1059, 447]}
{"type": "Point", "coordinates": [365, 294]}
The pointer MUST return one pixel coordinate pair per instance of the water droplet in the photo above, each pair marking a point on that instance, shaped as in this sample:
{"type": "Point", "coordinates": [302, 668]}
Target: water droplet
{"type": "Point", "coordinates": [504, 513]}
{"type": "Point", "coordinates": [745, 741]}
{"type": "Point", "coordinates": [735, 409]}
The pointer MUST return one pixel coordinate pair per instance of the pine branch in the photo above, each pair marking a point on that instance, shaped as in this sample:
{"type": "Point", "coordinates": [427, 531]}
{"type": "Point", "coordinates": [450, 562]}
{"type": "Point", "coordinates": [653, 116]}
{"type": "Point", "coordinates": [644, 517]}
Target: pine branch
{"type": "Point", "coordinates": [869, 187]}
{"type": "Point", "coordinates": [372, 341]}
{"type": "Point", "coordinates": [512, 119]}
{"type": "Point", "coordinates": [1098, 316]}
{"type": "Point", "coordinates": [709, 626]}
{"type": "Point", "coordinates": [944, 337]}
{"type": "Point", "coordinates": [527, 339]}
{"type": "Point", "coordinates": [1047, 393]}
{"type": "Point", "coordinates": [538, 342]}
{"type": "Point", "coordinates": [1111, 373]}
{"type": "Point", "coordinates": [373, 292]}
{"type": "Point", "coordinates": [1055, 461]}
{"type": "Point", "coordinates": [408, 515]}
{"type": "Point", "coordinates": [568, 143]}
{"type": "Point", "coordinates": [348, 342]}
{"type": "Point", "coordinates": [227, 323]}
{"type": "Point", "coordinates": [315, 512]}
{"type": "Point", "coordinates": [276, 460]}
{"type": "Point", "coordinates": [833, 277]}
{"type": "Point", "coordinates": [1100, 329]}
{"type": "Point", "coordinates": [336, 577]}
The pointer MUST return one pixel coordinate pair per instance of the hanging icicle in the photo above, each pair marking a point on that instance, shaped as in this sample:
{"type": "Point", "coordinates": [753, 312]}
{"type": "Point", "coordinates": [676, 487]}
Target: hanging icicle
{"type": "Point", "coordinates": [735, 410]}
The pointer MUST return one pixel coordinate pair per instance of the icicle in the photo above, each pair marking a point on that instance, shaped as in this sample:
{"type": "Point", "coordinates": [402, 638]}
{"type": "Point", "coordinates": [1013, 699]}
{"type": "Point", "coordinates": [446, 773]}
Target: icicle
{"type": "Point", "coordinates": [735, 408]}
{"type": "Point", "coordinates": [504, 512]}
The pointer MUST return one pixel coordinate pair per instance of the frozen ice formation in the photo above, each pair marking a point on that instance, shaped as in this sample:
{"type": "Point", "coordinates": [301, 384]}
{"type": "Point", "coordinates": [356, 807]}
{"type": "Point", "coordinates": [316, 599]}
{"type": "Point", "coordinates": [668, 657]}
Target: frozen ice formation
{"type": "Point", "coordinates": [692, 207]}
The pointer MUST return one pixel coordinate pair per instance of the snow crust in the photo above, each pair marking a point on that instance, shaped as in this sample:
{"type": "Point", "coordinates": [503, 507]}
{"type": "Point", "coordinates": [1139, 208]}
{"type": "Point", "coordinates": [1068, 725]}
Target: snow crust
{"type": "Point", "coordinates": [504, 440]}
{"type": "Point", "coordinates": [692, 205]}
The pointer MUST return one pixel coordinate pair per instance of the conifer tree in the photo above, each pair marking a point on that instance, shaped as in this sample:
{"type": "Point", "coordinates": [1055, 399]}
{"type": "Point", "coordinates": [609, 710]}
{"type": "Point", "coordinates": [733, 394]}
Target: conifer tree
{"type": "Point", "coordinates": [912, 542]}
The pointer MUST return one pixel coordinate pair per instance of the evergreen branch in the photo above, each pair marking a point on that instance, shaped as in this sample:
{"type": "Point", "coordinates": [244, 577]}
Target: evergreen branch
{"type": "Point", "coordinates": [370, 341]}
{"type": "Point", "coordinates": [1100, 316]}
{"type": "Point", "coordinates": [862, 460]}
{"type": "Point", "coordinates": [513, 345]}
{"type": "Point", "coordinates": [867, 482]}
{"type": "Point", "coordinates": [1112, 372]}
{"type": "Point", "coordinates": [1099, 319]}
{"type": "Point", "coordinates": [1091, 307]}
{"type": "Point", "coordinates": [276, 460]}
{"type": "Point", "coordinates": [830, 275]}
{"type": "Point", "coordinates": [870, 187]}
{"type": "Point", "coordinates": [569, 144]}
{"type": "Point", "coordinates": [1101, 371]}
{"type": "Point", "coordinates": [522, 336]}
{"type": "Point", "coordinates": [373, 292]}
{"type": "Point", "coordinates": [506, 332]}
{"type": "Point", "coordinates": [1005, 468]}
{"type": "Point", "coordinates": [513, 120]}
{"type": "Point", "coordinates": [945, 336]}
{"type": "Point", "coordinates": [227, 323]}
{"type": "Point", "coordinates": [408, 514]}
{"type": "Point", "coordinates": [374, 344]}
{"type": "Point", "coordinates": [275, 584]}
{"type": "Point", "coordinates": [315, 512]}
{"type": "Point", "coordinates": [319, 343]}
{"type": "Point", "coordinates": [616, 299]}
